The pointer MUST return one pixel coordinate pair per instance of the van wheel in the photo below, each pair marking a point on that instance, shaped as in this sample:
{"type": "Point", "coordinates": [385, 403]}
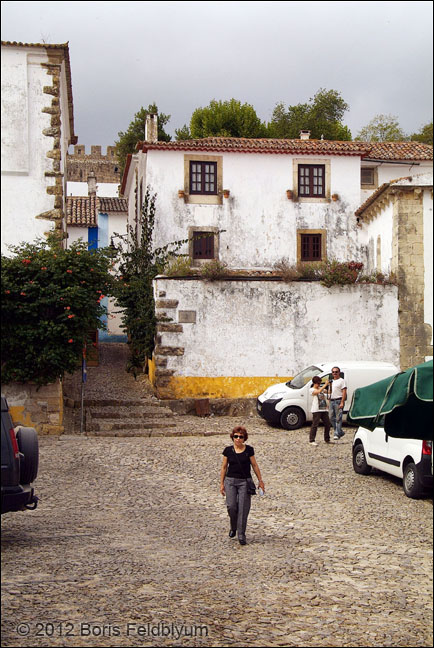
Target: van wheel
{"type": "Point", "coordinates": [27, 439]}
{"type": "Point", "coordinates": [411, 484]}
{"type": "Point", "coordinates": [292, 418]}
{"type": "Point", "coordinates": [359, 460]}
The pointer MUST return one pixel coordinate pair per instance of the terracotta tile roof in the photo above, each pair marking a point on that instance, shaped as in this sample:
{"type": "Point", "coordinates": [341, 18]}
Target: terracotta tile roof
{"type": "Point", "coordinates": [400, 151]}
{"type": "Point", "coordinates": [82, 211]}
{"type": "Point", "coordinates": [118, 205]}
{"type": "Point", "coordinates": [372, 150]}
{"type": "Point", "coordinates": [247, 145]}
{"type": "Point", "coordinates": [64, 48]}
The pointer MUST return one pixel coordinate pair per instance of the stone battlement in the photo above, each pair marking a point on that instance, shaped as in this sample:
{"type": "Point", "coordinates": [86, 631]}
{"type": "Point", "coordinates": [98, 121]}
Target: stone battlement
{"type": "Point", "coordinates": [80, 164]}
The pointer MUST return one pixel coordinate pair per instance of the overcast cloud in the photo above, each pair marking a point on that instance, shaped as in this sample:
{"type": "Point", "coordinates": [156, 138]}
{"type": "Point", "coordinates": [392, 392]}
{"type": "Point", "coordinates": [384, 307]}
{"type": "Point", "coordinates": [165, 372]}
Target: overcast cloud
{"type": "Point", "coordinates": [125, 55]}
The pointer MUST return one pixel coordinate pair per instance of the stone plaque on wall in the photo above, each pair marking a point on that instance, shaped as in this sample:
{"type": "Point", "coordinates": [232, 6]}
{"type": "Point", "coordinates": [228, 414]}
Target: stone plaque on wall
{"type": "Point", "coordinates": [187, 317]}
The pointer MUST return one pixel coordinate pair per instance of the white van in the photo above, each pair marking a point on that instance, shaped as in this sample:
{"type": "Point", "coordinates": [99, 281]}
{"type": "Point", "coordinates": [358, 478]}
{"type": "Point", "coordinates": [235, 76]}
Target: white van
{"type": "Point", "coordinates": [289, 404]}
{"type": "Point", "coordinates": [409, 459]}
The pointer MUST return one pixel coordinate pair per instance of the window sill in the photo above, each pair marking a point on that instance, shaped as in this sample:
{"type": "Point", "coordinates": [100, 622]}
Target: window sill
{"type": "Point", "coordinates": [198, 199]}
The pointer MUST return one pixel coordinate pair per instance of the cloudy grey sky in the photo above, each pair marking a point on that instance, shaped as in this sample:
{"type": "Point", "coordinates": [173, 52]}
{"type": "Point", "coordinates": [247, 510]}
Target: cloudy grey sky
{"type": "Point", "coordinates": [125, 55]}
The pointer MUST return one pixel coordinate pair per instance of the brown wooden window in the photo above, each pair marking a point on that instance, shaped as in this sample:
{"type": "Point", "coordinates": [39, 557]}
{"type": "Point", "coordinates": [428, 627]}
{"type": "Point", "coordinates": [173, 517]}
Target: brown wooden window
{"type": "Point", "coordinates": [311, 247]}
{"type": "Point", "coordinates": [367, 176]}
{"type": "Point", "coordinates": [203, 178]}
{"type": "Point", "coordinates": [311, 180]}
{"type": "Point", "coordinates": [203, 245]}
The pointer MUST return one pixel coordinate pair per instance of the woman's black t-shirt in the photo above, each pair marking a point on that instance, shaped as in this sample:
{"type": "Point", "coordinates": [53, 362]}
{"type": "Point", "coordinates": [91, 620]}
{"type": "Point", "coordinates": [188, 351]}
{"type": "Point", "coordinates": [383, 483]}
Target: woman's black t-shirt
{"type": "Point", "coordinates": [238, 463]}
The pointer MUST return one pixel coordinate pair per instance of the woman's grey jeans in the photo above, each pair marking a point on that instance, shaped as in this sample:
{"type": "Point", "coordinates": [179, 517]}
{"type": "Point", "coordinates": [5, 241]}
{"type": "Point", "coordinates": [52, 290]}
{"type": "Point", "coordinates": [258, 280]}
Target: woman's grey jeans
{"type": "Point", "coordinates": [238, 502]}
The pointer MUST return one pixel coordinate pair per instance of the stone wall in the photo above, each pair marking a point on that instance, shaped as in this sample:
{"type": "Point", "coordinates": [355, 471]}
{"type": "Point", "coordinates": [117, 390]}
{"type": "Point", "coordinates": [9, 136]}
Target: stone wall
{"type": "Point", "coordinates": [41, 408]}
{"type": "Point", "coordinates": [408, 263]}
{"type": "Point", "coordinates": [105, 167]}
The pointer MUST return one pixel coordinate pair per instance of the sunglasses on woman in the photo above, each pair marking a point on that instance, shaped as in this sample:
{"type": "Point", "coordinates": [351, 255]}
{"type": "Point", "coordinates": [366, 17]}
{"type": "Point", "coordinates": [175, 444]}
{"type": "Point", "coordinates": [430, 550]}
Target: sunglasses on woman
{"type": "Point", "coordinates": [236, 436]}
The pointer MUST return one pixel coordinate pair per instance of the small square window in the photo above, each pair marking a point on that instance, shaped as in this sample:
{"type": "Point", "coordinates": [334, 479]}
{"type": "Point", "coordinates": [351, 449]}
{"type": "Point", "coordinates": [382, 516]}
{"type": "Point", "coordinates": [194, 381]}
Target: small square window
{"type": "Point", "coordinates": [203, 245]}
{"type": "Point", "coordinates": [310, 247]}
{"type": "Point", "coordinates": [203, 178]}
{"type": "Point", "coordinates": [367, 176]}
{"type": "Point", "coordinates": [311, 180]}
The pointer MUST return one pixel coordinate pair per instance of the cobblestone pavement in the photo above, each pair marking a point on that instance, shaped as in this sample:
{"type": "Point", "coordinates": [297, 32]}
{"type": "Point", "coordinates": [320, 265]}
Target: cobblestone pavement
{"type": "Point", "coordinates": [129, 547]}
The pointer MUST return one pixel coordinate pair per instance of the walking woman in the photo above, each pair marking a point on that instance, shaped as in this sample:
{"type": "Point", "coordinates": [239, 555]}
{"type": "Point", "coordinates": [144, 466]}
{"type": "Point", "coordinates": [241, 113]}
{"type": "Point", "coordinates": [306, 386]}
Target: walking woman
{"type": "Point", "coordinates": [234, 476]}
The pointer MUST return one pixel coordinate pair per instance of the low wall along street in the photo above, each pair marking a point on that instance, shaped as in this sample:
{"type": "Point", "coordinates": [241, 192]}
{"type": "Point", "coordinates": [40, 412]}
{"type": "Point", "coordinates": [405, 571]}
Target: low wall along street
{"type": "Point", "coordinates": [233, 338]}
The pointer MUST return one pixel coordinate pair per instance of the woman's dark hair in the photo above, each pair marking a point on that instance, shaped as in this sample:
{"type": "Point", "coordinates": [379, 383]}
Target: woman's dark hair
{"type": "Point", "coordinates": [240, 430]}
{"type": "Point", "coordinates": [316, 380]}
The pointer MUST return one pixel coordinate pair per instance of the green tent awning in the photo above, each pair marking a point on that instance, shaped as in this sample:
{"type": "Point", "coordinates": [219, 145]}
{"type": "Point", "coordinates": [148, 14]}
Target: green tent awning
{"type": "Point", "coordinates": [401, 403]}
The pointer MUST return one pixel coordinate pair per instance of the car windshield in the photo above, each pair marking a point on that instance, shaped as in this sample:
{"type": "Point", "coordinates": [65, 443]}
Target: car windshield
{"type": "Point", "coordinates": [302, 378]}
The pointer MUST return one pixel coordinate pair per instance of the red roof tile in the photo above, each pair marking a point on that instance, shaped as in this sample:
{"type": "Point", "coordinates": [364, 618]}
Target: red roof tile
{"type": "Point", "coordinates": [374, 150]}
{"type": "Point", "coordinates": [82, 211]}
{"type": "Point", "coordinates": [118, 205]}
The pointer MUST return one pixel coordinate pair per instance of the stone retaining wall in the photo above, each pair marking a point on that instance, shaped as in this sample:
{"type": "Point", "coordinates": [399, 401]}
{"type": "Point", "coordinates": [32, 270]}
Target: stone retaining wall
{"type": "Point", "coordinates": [41, 408]}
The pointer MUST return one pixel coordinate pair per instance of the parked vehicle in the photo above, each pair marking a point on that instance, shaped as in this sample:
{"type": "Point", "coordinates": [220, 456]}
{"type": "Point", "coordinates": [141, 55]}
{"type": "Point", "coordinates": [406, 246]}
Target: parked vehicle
{"type": "Point", "coordinates": [289, 404]}
{"type": "Point", "coordinates": [409, 459]}
{"type": "Point", "coordinates": [396, 433]}
{"type": "Point", "coordinates": [19, 464]}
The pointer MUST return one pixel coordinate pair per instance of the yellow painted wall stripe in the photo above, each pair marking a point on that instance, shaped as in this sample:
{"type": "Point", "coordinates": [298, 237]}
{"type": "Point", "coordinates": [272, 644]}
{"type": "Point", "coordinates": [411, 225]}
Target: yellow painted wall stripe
{"type": "Point", "coordinates": [219, 387]}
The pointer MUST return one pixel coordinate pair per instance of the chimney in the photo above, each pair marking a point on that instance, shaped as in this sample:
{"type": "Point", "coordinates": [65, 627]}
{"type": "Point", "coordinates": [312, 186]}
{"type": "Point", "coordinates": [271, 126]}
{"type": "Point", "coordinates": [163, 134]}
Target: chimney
{"type": "Point", "coordinates": [151, 128]}
{"type": "Point", "coordinates": [91, 184]}
{"type": "Point", "coordinates": [304, 134]}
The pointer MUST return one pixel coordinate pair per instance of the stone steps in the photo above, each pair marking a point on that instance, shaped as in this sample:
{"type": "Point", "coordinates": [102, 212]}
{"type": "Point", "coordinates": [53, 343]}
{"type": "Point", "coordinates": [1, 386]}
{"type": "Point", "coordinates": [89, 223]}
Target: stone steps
{"type": "Point", "coordinates": [124, 417]}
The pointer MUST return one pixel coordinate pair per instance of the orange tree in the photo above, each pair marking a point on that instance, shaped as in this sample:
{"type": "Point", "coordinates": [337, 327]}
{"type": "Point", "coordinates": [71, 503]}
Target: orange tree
{"type": "Point", "coordinates": [51, 302]}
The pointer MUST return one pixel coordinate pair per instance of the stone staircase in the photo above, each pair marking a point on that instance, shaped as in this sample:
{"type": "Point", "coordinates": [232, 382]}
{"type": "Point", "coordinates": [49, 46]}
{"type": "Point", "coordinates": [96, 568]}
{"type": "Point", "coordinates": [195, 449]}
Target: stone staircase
{"type": "Point", "coordinates": [128, 418]}
{"type": "Point", "coordinates": [116, 404]}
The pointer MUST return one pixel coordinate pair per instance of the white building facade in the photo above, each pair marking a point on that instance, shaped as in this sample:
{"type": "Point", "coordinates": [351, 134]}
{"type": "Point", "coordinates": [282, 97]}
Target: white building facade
{"type": "Point", "coordinates": [250, 204]}
{"type": "Point", "coordinates": [37, 128]}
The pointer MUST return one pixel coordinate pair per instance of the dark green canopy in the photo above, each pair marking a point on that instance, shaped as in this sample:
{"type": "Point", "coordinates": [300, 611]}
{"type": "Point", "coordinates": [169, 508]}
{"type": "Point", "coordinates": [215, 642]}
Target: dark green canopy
{"type": "Point", "coordinates": [401, 403]}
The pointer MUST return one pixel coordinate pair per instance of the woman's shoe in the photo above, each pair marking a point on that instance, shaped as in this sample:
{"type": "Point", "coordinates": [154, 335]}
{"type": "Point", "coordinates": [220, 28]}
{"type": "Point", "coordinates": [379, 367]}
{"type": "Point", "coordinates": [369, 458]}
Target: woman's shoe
{"type": "Point", "coordinates": [232, 534]}
{"type": "Point", "coordinates": [242, 540]}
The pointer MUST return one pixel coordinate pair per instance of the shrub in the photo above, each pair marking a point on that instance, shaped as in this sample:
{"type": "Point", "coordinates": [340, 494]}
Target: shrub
{"type": "Point", "coordinates": [213, 270]}
{"type": "Point", "coordinates": [178, 266]}
{"type": "Point", "coordinates": [51, 303]}
{"type": "Point", "coordinates": [288, 272]}
{"type": "Point", "coordinates": [334, 273]}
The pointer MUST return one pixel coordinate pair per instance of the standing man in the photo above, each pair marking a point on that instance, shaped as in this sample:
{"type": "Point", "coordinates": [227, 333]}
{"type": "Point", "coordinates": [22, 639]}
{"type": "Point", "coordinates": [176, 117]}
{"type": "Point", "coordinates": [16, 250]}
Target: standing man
{"type": "Point", "coordinates": [337, 402]}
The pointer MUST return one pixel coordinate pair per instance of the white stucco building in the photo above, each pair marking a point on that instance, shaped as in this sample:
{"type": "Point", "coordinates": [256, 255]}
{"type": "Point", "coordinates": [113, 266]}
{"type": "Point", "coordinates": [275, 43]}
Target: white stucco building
{"type": "Point", "coordinates": [37, 128]}
{"type": "Point", "coordinates": [249, 204]}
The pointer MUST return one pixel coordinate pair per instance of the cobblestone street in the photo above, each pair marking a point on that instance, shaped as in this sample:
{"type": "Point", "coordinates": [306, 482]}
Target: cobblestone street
{"type": "Point", "coordinates": [129, 547]}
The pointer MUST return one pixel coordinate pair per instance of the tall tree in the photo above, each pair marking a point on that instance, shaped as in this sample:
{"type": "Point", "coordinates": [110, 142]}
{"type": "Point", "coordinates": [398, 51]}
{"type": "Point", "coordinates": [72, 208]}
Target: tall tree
{"type": "Point", "coordinates": [225, 119]}
{"type": "Point", "coordinates": [322, 115]}
{"type": "Point", "coordinates": [425, 135]}
{"type": "Point", "coordinates": [136, 132]}
{"type": "Point", "coordinates": [382, 128]}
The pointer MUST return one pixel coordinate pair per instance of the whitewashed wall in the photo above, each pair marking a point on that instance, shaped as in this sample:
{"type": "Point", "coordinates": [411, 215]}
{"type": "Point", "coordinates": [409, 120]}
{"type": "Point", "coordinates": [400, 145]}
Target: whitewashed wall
{"type": "Point", "coordinates": [24, 147]}
{"type": "Point", "coordinates": [381, 226]}
{"type": "Point", "coordinates": [260, 328]}
{"type": "Point", "coordinates": [103, 189]}
{"type": "Point", "coordinates": [260, 222]}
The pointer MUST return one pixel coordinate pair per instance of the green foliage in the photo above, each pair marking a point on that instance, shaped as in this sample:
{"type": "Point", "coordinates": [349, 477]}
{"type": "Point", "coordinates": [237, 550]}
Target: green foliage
{"type": "Point", "coordinates": [136, 133]}
{"type": "Point", "coordinates": [51, 302]}
{"type": "Point", "coordinates": [139, 264]}
{"type": "Point", "coordinates": [425, 135]}
{"type": "Point", "coordinates": [382, 128]}
{"type": "Point", "coordinates": [322, 116]}
{"type": "Point", "coordinates": [226, 119]}
{"type": "Point", "coordinates": [214, 270]}
{"type": "Point", "coordinates": [335, 273]}
{"type": "Point", "coordinates": [178, 266]}
{"type": "Point", "coordinates": [182, 133]}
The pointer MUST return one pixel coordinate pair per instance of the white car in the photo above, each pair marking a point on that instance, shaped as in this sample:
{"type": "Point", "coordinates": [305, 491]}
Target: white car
{"type": "Point", "coordinates": [409, 459]}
